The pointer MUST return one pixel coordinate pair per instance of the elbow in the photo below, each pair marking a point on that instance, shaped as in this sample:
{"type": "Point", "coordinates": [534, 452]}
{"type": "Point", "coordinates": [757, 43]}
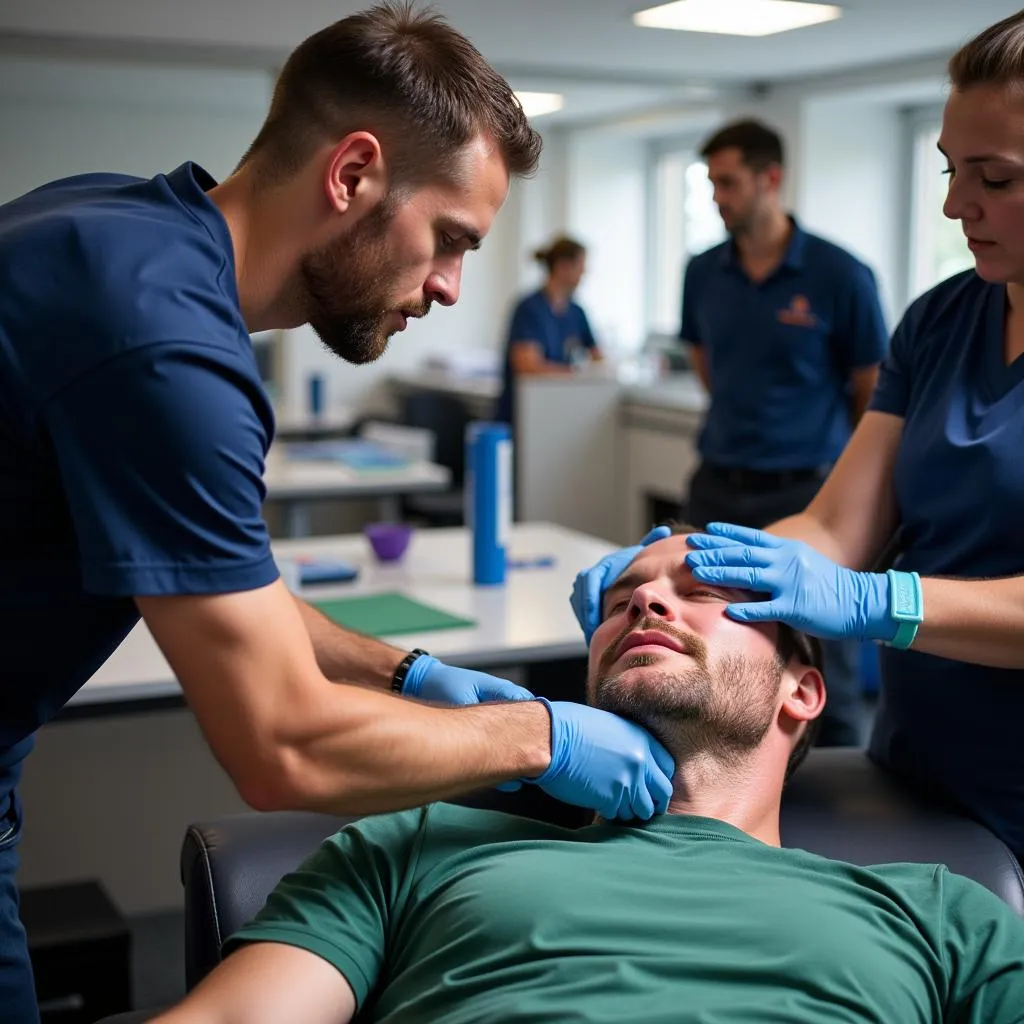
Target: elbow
{"type": "Point", "coordinates": [275, 778]}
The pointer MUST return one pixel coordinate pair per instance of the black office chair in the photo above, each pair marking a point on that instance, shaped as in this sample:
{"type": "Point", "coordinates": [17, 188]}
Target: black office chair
{"type": "Point", "coordinates": [447, 417]}
{"type": "Point", "coordinates": [839, 804]}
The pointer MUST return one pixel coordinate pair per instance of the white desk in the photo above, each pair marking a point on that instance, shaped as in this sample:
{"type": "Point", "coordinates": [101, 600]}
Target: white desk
{"type": "Point", "coordinates": [295, 482]}
{"type": "Point", "coordinates": [527, 620]}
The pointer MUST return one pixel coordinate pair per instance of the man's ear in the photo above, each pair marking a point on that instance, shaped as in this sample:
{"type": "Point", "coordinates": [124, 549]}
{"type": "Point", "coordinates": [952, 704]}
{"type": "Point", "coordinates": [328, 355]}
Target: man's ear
{"type": "Point", "coordinates": [355, 178]}
{"type": "Point", "coordinates": [773, 176]}
{"type": "Point", "coordinates": [803, 692]}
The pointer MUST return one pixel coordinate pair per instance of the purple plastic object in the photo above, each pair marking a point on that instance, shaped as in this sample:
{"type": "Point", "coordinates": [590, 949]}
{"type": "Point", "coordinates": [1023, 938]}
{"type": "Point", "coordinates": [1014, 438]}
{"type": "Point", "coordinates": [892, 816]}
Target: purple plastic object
{"type": "Point", "coordinates": [388, 540]}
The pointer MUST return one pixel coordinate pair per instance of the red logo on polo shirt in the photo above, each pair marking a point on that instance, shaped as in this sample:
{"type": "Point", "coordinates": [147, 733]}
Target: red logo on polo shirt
{"type": "Point", "coordinates": [799, 313]}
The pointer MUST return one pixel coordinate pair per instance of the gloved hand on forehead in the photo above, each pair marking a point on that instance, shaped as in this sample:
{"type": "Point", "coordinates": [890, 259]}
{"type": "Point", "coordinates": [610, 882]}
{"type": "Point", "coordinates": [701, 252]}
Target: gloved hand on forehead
{"type": "Point", "coordinates": [806, 590]}
{"type": "Point", "coordinates": [590, 585]}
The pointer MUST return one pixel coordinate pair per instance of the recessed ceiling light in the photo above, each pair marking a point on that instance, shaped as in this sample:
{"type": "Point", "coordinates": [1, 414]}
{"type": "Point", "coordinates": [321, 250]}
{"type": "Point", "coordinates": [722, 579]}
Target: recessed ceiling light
{"type": "Point", "coordinates": [736, 17]}
{"type": "Point", "coordinates": [536, 104]}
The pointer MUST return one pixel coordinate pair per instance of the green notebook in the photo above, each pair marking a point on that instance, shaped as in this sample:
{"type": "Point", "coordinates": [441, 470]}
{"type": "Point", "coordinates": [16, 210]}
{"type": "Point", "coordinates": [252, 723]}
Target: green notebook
{"type": "Point", "coordinates": [385, 614]}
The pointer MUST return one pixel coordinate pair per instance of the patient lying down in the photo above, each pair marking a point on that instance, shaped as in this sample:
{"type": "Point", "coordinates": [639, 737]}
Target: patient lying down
{"type": "Point", "coordinates": [446, 914]}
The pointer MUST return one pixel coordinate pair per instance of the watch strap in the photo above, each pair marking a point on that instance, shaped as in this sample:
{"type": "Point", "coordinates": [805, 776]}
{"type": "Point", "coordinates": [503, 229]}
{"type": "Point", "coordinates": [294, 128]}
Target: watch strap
{"type": "Point", "coordinates": [906, 606]}
{"type": "Point", "coordinates": [398, 679]}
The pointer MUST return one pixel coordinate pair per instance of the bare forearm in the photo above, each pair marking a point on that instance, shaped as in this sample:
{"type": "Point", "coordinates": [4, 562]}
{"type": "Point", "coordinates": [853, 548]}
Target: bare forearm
{"type": "Point", "coordinates": [977, 621]}
{"type": "Point", "coordinates": [357, 751]}
{"type": "Point", "coordinates": [344, 656]}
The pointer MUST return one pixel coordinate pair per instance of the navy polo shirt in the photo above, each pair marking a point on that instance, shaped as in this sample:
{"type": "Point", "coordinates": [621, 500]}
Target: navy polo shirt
{"type": "Point", "coordinates": [959, 484]}
{"type": "Point", "coordinates": [133, 427]}
{"type": "Point", "coordinates": [780, 352]}
{"type": "Point", "coordinates": [558, 335]}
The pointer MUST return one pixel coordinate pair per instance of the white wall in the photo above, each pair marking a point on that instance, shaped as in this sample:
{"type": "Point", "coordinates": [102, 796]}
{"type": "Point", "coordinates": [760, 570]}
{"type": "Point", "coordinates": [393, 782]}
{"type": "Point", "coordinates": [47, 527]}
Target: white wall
{"type": "Point", "coordinates": [61, 117]}
{"type": "Point", "coordinates": [607, 180]}
{"type": "Point", "coordinates": [850, 185]}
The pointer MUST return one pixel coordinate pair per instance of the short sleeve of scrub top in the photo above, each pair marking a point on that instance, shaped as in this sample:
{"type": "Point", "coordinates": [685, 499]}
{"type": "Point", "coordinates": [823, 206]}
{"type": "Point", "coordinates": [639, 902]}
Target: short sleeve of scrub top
{"type": "Point", "coordinates": [161, 453]}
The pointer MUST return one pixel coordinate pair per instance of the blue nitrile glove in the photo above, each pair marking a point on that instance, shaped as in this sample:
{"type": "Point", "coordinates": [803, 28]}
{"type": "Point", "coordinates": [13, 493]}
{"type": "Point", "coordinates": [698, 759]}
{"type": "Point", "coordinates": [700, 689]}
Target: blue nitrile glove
{"type": "Point", "coordinates": [807, 590]}
{"type": "Point", "coordinates": [590, 585]}
{"type": "Point", "coordinates": [604, 763]}
{"type": "Point", "coordinates": [430, 679]}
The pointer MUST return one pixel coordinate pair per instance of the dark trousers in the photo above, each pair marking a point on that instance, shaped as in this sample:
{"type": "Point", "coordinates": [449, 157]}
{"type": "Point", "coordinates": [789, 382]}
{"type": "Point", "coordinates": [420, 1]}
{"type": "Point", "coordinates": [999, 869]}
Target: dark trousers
{"type": "Point", "coordinates": [17, 988]}
{"type": "Point", "coordinates": [749, 498]}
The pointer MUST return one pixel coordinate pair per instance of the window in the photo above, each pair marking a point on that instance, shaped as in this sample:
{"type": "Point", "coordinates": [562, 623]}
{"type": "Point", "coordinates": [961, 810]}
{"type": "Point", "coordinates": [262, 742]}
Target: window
{"type": "Point", "coordinates": [938, 248]}
{"type": "Point", "coordinates": [683, 220]}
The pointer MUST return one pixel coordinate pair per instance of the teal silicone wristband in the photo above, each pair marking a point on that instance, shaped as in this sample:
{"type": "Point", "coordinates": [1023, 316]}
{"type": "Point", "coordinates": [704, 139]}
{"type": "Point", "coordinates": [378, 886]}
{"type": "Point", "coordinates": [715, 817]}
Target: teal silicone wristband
{"type": "Point", "coordinates": [906, 606]}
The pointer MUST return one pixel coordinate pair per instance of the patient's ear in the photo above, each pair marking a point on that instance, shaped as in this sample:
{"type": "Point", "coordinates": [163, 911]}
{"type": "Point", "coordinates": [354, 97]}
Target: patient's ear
{"type": "Point", "coordinates": [803, 692]}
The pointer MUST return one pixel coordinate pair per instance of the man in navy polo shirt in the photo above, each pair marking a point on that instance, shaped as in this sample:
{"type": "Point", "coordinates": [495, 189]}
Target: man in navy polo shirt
{"type": "Point", "coordinates": [133, 432]}
{"type": "Point", "coordinates": [786, 333]}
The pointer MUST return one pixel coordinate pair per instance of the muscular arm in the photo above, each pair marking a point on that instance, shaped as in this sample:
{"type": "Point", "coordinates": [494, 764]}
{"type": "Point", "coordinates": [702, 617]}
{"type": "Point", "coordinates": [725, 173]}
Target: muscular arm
{"type": "Point", "coordinates": [268, 983]}
{"type": "Point", "coordinates": [290, 738]}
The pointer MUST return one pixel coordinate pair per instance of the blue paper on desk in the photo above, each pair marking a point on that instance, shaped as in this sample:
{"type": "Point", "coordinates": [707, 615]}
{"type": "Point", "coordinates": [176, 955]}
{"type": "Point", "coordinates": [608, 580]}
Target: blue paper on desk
{"type": "Point", "coordinates": [352, 452]}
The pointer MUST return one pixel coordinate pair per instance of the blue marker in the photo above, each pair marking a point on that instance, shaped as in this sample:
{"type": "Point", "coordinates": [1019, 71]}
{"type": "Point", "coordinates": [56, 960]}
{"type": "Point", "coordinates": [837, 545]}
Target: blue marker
{"type": "Point", "coordinates": [535, 562]}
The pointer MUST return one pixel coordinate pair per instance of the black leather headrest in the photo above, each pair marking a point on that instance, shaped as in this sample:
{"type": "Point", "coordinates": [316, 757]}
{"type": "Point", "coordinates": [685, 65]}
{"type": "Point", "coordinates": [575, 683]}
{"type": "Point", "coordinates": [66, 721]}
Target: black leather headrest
{"type": "Point", "coordinates": [840, 804]}
{"type": "Point", "coordinates": [229, 867]}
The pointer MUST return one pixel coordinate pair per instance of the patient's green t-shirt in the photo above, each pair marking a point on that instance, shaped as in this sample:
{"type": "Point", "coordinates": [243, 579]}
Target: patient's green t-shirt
{"type": "Point", "coordinates": [450, 915]}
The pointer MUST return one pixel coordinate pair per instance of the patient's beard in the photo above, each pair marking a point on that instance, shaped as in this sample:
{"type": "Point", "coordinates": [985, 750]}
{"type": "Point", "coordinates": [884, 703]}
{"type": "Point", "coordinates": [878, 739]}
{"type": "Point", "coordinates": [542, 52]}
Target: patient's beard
{"type": "Point", "coordinates": [722, 709]}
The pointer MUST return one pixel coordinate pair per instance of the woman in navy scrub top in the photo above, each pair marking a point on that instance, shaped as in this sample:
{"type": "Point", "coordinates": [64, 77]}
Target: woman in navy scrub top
{"type": "Point", "coordinates": [940, 459]}
{"type": "Point", "coordinates": [937, 468]}
{"type": "Point", "coordinates": [549, 332]}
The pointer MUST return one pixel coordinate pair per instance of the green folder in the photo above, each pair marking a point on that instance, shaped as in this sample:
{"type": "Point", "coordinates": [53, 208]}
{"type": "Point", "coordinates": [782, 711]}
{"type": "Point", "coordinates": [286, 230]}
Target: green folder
{"type": "Point", "coordinates": [386, 614]}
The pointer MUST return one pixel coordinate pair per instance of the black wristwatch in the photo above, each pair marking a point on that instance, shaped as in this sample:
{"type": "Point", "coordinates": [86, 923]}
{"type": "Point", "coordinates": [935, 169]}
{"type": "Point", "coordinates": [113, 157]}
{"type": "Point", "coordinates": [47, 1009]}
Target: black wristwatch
{"type": "Point", "coordinates": [398, 679]}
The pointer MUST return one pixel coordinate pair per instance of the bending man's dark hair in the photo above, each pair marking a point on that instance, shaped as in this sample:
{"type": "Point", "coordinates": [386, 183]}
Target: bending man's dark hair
{"type": "Point", "coordinates": [406, 76]}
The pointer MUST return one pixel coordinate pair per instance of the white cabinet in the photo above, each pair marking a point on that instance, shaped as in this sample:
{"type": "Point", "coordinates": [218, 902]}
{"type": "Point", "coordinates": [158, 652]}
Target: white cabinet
{"type": "Point", "coordinates": [657, 456]}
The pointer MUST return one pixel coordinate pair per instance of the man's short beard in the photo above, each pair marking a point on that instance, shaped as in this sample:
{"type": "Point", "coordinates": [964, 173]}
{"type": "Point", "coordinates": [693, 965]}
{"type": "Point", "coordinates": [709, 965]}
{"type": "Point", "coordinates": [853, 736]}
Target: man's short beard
{"type": "Point", "coordinates": [724, 709]}
{"type": "Point", "coordinates": [346, 285]}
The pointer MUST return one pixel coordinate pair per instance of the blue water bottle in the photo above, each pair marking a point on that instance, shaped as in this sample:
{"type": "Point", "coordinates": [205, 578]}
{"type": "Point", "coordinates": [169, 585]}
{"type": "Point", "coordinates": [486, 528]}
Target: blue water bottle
{"type": "Point", "coordinates": [315, 395]}
{"type": "Point", "coordinates": [488, 489]}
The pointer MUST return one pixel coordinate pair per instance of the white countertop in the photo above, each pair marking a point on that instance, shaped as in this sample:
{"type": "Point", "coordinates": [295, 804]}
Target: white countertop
{"type": "Point", "coordinates": [528, 619]}
{"type": "Point", "coordinates": [681, 391]}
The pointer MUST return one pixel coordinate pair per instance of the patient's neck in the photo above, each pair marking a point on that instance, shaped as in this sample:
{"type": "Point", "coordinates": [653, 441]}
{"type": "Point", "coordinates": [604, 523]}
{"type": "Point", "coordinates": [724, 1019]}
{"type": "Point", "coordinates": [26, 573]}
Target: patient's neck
{"type": "Point", "coordinates": [743, 790]}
